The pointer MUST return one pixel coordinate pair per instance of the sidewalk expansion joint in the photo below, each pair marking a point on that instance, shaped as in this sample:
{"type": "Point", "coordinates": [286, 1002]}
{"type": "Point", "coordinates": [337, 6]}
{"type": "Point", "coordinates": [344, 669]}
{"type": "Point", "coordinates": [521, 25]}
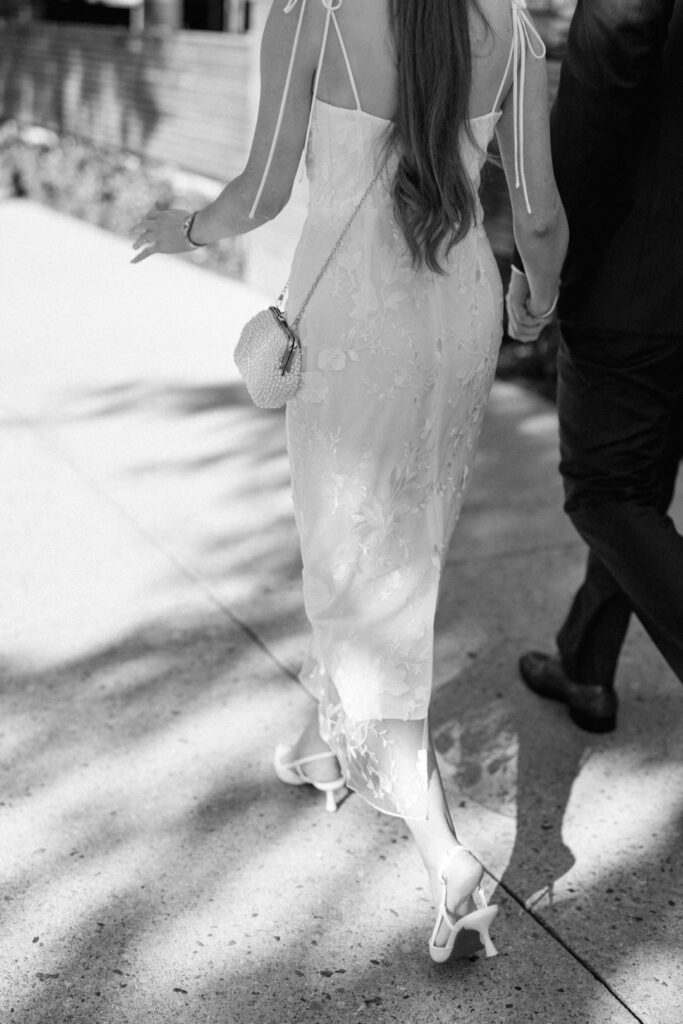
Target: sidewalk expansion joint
{"type": "Point", "coordinates": [189, 573]}
{"type": "Point", "coordinates": [581, 960]}
{"type": "Point", "coordinates": [180, 566]}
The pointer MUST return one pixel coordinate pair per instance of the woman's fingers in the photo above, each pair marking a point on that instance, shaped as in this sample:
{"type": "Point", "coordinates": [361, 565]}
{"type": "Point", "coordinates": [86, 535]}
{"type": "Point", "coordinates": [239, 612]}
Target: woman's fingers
{"type": "Point", "coordinates": [522, 315]}
{"type": "Point", "coordinates": [141, 227]}
{"type": "Point", "coordinates": [146, 221]}
{"type": "Point", "coordinates": [522, 324]}
{"type": "Point", "coordinates": [522, 330]}
{"type": "Point", "coordinates": [149, 251]}
{"type": "Point", "coordinates": [159, 231]}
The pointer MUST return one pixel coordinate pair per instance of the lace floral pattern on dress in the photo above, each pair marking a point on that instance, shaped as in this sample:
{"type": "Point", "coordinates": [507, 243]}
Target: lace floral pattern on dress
{"type": "Point", "coordinates": [397, 367]}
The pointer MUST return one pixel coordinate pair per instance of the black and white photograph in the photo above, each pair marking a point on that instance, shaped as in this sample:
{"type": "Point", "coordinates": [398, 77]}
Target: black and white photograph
{"type": "Point", "coordinates": [341, 528]}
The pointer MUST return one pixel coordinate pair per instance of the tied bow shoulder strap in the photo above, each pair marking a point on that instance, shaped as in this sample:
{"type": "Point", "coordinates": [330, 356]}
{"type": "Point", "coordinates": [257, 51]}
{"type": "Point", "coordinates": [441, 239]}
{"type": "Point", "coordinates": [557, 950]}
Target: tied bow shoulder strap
{"type": "Point", "coordinates": [525, 37]}
{"type": "Point", "coordinates": [330, 6]}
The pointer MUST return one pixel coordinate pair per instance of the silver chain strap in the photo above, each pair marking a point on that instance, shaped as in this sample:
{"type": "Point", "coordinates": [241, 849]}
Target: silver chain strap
{"type": "Point", "coordinates": [333, 253]}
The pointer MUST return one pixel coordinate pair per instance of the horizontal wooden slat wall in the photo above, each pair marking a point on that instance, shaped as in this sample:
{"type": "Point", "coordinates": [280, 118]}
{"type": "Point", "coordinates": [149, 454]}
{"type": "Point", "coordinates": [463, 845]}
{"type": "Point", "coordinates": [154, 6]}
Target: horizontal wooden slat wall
{"type": "Point", "coordinates": [185, 98]}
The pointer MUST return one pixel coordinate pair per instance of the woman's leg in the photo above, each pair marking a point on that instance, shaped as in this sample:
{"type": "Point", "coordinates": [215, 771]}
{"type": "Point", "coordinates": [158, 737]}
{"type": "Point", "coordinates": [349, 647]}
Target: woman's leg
{"type": "Point", "coordinates": [435, 836]}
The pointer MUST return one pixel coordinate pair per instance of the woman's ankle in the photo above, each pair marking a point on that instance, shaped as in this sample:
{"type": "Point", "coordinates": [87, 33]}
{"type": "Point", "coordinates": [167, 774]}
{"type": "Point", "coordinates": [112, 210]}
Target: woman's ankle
{"type": "Point", "coordinates": [434, 841]}
{"type": "Point", "coordinates": [310, 743]}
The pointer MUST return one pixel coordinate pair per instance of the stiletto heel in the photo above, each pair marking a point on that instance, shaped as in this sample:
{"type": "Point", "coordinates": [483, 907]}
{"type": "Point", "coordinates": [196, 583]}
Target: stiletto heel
{"type": "Point", "coordinates": [478, 920]}
{"type": "Point", "coordinates": [290, 770]}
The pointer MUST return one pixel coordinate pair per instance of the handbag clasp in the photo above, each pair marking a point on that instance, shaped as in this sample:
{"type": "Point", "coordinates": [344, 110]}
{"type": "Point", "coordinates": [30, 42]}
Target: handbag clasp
{"type": "Point", "coordinates": [291, 339]}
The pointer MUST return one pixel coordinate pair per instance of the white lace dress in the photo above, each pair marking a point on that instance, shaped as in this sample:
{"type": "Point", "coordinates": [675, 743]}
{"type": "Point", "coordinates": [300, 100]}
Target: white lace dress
{"type": "Point", "coordinates": [398, 365]}
{"type": "Point", "coordinates": [397, 369]}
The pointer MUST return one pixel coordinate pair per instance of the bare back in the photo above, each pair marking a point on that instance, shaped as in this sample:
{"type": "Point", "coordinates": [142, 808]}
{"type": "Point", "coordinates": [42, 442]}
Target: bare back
{"type": "Point", "coordinates": [366, 29]}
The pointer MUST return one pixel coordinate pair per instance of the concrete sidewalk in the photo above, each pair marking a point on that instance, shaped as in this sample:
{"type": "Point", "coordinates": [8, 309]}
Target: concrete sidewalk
{"type": "Point", "coordinates": [153, 868]}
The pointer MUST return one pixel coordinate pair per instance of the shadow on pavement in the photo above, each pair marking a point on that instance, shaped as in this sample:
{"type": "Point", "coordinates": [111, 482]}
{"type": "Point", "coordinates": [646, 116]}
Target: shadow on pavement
{"type": "Point", "coordinates": [162, 870]}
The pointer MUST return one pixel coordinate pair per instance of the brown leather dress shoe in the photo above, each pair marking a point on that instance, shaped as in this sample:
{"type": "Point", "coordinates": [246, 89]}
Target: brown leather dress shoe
{"type": "Point", "coordinates": [593, 708]}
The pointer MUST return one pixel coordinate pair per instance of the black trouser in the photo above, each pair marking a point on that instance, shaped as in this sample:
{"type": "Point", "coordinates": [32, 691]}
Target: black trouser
{"type": "Point", "coordinates": [620, 403]}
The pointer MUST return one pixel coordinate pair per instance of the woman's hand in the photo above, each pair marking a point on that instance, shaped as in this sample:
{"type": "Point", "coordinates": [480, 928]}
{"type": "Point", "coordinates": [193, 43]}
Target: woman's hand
{"type": "Point", "coordinates": [523, 325]}
{"type": "Point", "coordinates": [160, 231]}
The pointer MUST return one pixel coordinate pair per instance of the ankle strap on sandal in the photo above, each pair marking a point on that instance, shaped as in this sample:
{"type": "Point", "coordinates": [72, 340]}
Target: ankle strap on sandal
{"type": "Point", "coordinates": [310, 758]}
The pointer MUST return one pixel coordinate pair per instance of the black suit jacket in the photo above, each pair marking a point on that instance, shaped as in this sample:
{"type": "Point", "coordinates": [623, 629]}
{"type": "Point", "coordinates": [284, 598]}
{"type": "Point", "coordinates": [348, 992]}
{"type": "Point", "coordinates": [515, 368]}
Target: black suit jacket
{"type": "Point", "coordinates": [617, 141]}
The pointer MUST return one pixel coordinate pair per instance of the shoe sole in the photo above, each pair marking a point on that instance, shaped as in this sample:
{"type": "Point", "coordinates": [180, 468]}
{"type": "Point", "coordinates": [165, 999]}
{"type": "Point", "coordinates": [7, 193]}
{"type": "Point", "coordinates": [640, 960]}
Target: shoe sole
{"type": "Point", "coordinates": [592, 724]}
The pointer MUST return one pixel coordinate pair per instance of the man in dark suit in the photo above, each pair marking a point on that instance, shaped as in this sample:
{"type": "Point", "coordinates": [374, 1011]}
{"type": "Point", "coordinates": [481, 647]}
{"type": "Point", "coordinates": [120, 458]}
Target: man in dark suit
{"type": "Point", "coordinates": [617, 136]}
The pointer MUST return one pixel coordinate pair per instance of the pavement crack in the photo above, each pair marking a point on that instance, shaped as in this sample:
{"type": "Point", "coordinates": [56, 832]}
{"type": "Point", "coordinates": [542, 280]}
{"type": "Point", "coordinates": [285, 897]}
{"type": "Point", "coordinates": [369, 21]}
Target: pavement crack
{"type": "Point", "coordinates": [53, 445]}
{"type": "Point", "coordinates": [574, 953]}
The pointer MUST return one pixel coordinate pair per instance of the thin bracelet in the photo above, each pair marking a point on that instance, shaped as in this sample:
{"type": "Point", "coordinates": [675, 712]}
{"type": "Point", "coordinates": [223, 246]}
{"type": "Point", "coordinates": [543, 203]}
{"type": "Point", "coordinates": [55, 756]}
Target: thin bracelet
{"type": "Point", "coordinates": [548, 312]}
{"type": "Point", "coordinates": [187, 227]}
{"type": "Point", "coordinates": [542, 316]}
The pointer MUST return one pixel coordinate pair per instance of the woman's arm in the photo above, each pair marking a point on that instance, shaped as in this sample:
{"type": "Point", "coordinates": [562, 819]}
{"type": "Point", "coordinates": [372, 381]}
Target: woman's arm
{"type": "Point", "coordinates": [542, 235]}
{"type": "Point", "coordinates": [229, 214]}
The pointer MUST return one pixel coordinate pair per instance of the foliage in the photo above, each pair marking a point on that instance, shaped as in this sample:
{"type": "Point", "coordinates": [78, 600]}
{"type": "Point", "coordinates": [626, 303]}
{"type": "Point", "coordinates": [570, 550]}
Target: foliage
{"type": "Point", "coordinates": [109, 188]}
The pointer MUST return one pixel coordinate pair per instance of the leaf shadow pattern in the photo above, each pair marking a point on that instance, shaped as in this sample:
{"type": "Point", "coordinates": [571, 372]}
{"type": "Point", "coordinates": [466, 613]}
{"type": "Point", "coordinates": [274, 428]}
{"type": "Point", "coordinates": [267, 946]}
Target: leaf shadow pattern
{"type": "Point", "coordinates": [153, 849]}
{"type": "Point", "coordinates": [202, 888]}
{"type": "Point", "coordinates": [595, 851]}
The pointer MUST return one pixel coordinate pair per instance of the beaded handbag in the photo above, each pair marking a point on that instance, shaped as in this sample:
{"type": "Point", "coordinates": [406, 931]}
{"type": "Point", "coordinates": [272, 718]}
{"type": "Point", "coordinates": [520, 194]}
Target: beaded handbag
{"type": "Point", "coordinates": [268, 356]}
{"type": "Point", "coordinates": [268, 353]}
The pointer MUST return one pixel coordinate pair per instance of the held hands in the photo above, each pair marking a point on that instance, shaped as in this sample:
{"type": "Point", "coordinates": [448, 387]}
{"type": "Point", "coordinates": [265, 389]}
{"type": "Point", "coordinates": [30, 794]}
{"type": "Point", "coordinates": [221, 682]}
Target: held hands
{"type": "Point", "coordinates": [160, 231]}
{"type": "Point", "coordinates": [523, 325]}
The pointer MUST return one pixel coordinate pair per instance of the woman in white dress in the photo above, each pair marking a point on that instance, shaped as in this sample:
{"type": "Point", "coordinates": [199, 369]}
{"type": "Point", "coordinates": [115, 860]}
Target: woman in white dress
{"type": "Point", "coordinates": [394, 104]}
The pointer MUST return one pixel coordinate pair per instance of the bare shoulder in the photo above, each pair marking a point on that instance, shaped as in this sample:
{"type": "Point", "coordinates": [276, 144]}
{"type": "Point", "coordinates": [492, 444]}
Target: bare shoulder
{"type": "Point", "coordinates": [490, 26]}
{"type": "Point", "coordinates": [357, 18]}
{"type": "Point", "coordinates": [284, 24]}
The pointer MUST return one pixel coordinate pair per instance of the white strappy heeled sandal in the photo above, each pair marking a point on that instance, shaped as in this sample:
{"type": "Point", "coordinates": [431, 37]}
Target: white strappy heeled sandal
{"type": "Point", "coordinates": [477, 920]}
{"type": "Point", "coordinates": [290, 770]}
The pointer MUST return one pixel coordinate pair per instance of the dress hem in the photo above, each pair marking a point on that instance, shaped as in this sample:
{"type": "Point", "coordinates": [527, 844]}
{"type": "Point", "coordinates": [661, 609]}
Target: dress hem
{"type": "Point", "coordinates": [383, 810]}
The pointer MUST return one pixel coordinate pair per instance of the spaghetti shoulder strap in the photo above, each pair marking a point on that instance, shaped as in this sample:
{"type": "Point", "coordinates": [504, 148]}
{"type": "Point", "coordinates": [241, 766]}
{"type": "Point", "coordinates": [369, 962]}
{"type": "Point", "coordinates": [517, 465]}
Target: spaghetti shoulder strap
{"type": "Point", "coordinates": [525, 37]}
{"type": "Point", "coordinates": [291, 4]}
{"type": "Point", "coordinates": [345, 54]}
{"type": "Point", "coordinates": [330, 6]}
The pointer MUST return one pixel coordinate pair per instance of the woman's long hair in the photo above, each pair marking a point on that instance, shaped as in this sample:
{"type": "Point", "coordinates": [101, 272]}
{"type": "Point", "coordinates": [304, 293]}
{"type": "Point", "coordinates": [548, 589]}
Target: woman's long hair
{"type": "Point", "coordinates": [434, 202]}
